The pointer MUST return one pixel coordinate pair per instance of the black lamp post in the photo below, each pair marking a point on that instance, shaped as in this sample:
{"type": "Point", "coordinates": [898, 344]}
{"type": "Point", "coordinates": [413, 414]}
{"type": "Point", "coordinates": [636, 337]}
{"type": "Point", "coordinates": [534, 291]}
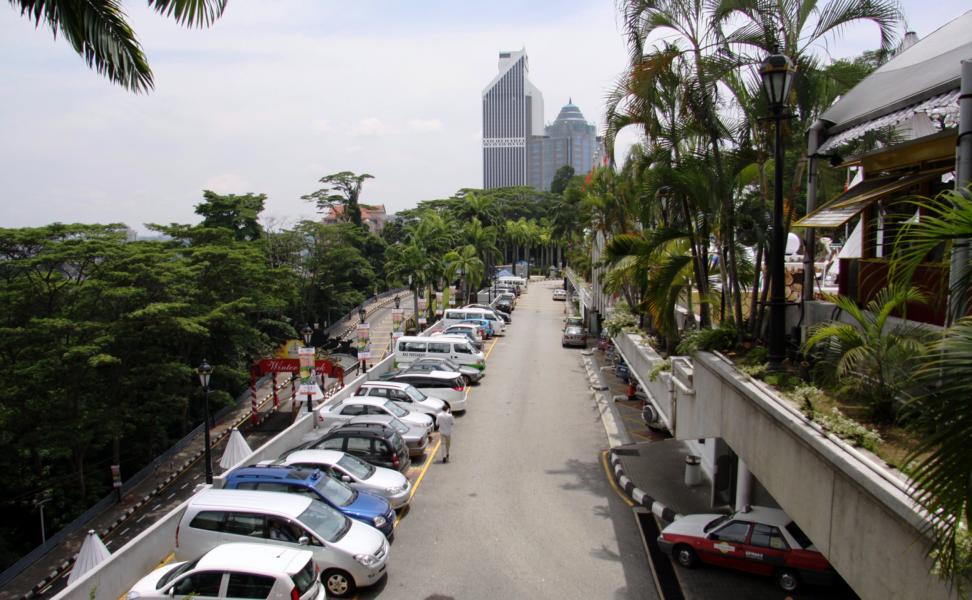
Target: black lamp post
{"type": "Point", "coordinates": [306, 333]}
{"type": "Point", "coordinates": [777, 74]}
{"type": "Point", "coordinates": [205, 370]}
{"type": "Point", "coordinates": [398, 301]}
{"type": "Point", "coordinates": [362, 315]}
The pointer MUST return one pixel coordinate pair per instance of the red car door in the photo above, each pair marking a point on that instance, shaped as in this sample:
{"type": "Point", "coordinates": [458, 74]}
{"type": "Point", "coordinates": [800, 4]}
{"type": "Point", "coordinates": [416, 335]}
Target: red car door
{"type": "Point", "coordinates": [726, 546]}
{"type": "Point", "coordinates": [766, 550]}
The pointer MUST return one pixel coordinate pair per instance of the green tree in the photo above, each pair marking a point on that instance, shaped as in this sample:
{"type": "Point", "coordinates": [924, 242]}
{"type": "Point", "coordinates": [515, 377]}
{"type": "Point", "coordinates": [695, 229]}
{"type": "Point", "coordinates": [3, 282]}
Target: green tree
{"type": "Point", "coordinates": [340, 189]}
{"type": "Point", "coordinates": [560, 179]}
{"type": "Point", "coordinates": [99, 32]}
{"type": "Point", "coordinates": [236, 213]}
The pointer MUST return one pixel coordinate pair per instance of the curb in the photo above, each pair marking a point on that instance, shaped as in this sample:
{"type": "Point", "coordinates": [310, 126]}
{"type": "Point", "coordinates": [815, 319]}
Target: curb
{"type": "Point", "coordinates": [638, 495]}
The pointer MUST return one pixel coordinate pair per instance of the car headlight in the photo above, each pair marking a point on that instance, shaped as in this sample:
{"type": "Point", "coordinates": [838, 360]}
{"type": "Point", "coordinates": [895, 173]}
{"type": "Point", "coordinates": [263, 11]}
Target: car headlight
{"type": "Point", "coordinates": [395, 490]}
{"type": "Point", "coordinates": [379, 521]}
{"type": "Point", "coordinates": [366, 560]}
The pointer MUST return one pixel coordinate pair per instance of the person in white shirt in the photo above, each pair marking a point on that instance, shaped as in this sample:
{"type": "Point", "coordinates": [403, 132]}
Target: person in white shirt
{"type": "Point", "coordinates": [446, 421]}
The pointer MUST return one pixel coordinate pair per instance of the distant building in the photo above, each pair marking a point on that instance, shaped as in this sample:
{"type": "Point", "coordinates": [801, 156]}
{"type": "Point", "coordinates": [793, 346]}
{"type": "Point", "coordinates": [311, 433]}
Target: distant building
{"type": "Point", "coordinates": [512, 115]}
{"type": "Point", "coordinates": [517, 148]}
{"type": "Point", "coordinates": [569, 140]}
{"type": "Point", "coordinates": [372, 215]}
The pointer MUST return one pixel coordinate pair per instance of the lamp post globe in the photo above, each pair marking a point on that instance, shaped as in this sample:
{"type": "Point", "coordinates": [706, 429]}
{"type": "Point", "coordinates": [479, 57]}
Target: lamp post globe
{"type": "Point", "coordinates": [398, 301]}
{"type": "Point", "coordinates": [204, 371]}
{"type": "Point", "coordinates": [777, 73]}
{"type": "Point", "coordinates": [307, 332]}
{"type": "Point", "coordinates": [362, 314]}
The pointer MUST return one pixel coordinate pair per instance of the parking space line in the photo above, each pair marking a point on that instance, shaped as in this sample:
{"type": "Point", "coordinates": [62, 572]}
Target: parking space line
{"type": "Point", "coordinates": [611, 481]}
{"type": "Point", "coordinates": [425, 469]}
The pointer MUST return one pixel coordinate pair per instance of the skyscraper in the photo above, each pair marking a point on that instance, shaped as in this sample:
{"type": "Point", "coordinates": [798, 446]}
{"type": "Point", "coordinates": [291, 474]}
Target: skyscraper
{"type": "Point", "coordinates": [512, 115]}
{"type": "Point", "coordinates": [569, 140]}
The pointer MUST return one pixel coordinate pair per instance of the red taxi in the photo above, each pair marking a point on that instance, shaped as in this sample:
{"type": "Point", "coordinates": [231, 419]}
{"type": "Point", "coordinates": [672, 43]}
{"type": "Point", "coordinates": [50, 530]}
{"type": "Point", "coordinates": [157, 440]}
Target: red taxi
{"type": "Point", "coordinates": [759, 540]}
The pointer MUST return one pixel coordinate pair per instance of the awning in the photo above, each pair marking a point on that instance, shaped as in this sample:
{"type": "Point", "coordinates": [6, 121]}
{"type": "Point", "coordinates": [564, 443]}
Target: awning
{"type": "Point", "coordinates": [844, 207]}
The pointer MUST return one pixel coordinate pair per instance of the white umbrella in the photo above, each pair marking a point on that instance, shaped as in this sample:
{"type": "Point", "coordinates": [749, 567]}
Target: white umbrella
{"type": "Point", "coordinates": [236, 450]}
{"type": "Point", "coordinates": [93, 551]}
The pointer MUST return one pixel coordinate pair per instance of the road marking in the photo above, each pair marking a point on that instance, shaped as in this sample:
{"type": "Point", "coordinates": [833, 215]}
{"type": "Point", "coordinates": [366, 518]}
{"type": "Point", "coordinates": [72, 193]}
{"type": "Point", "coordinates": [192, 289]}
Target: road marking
{"type": "Point", "coordinates": [425, 469]}
{"type": "Point", "coordinates": [184, 485]}
{"type": "Point", "coordinates": [124, 531]}
{"type": "Point", "coordinates": [170, 496]}
{"type": "Point", "coordinates": [157, 506]}
{"type": "Point", "coordinates": [610, 477]}
{"type": "Point", "coordinates": [139, 520]}
{"type": "Point", "coordinates": [490, 351]}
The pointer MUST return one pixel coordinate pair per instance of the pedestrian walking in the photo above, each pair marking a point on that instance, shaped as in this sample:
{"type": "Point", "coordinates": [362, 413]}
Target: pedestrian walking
{"type": "Point", "coordinates": [446, 421]}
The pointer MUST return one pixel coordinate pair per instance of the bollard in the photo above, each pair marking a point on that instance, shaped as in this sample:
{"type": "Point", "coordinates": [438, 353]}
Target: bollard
{"type": "Point", "coordinates": [693, 470]}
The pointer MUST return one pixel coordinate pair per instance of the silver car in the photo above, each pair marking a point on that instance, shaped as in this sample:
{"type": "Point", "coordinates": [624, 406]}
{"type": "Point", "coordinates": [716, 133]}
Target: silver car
{"type": "Point", "coordinates": [574, 336]}
{"type": "Point", "coordinates": [416, 438]}
{"type": "Point", "coordinates": [354, 406]}
{"type": "Point", "coordinates": [387, 483]}
{"type": "Point", "coordinates": [404, 395]}
{"type": "Point", "coordinates": [431, 363]}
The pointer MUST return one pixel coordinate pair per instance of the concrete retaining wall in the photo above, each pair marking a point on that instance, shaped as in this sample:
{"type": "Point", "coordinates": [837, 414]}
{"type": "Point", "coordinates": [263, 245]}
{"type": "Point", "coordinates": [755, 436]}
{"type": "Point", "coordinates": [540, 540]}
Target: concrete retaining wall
{"type": "Point", "coordinates": [856, 512]}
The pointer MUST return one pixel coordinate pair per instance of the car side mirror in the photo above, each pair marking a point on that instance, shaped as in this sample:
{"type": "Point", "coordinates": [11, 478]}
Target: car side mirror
{"type": "Point", "coordinates": [303, 540]}
{"type": "Point", "coordinates": [345, 479]}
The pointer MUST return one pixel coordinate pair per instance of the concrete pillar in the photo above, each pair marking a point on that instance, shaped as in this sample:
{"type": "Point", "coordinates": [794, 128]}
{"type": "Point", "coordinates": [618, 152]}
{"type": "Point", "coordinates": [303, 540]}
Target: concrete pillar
{"type": "Point", "coordinates": [744, 485]}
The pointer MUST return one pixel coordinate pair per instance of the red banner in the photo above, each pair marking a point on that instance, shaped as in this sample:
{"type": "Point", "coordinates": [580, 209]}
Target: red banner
{"type": "Point", "coordinates": [292, 365]}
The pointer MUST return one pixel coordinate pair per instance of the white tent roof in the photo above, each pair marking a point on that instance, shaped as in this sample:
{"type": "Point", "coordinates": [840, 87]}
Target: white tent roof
{"type": "Point", "coordinates": [93, 552]}
{"type": "Point", "coordinates": [237, 450]}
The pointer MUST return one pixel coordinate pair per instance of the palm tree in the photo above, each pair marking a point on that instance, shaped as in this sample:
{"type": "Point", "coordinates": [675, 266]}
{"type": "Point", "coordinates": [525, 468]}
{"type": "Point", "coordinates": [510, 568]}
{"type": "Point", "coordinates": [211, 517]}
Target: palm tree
{"type": "Point", "coordinates": [467, 264]}
{"type": "Point", "coordinates": [99, 31]}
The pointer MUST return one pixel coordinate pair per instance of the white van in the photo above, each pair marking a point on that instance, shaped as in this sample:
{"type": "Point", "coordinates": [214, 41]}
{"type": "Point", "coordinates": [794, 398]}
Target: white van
{"type": "Point", "coordinates": [458, 315]}
{"type": "Point", "coordinates": [518, 282]}
{"type": "Point", "coordinates": [410, 348]}
{"type": "Point", "coordinates": [349, 553]}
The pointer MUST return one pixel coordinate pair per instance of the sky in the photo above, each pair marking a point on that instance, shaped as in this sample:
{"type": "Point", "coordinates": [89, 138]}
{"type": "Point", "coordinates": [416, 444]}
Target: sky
{"type": "Point", "coordinates": [276, 95]}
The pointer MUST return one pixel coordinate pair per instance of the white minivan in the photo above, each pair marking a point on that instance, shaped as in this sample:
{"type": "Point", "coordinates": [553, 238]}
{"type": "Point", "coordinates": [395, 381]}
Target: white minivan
{"type": "Point", "coordinates": [458, 315]}
{"type": "Point", "coordinates": [349, 553]}
{"type": "Point", "coordinates": [410, 348]}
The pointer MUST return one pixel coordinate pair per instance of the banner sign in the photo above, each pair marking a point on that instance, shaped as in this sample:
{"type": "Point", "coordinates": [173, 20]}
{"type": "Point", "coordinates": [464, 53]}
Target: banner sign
{"type": "Point", "coordinates": [292, 365]}
{"type": "Point", "coordinates": [398, 315]}
{"type": "Point", "coordinates": [289, 349]}
{"type": "Point", "coordinates": [363, 340]}
{"type": "Point", "coordinates": [308, 380]}
{"type": "Point", "coordinates": [452, 295]}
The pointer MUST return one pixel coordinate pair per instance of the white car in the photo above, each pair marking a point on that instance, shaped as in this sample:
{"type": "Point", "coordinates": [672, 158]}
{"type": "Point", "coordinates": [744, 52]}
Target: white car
{"type": "Point", "coordinates": [404, 395]}
{"type": "Point", "coordinates": [387, 483]}
{"type": "Point", "coordinates": [446, 385]}
{"type": "Point", "coordinates": [236, 571]}
{"type": "Point", "coordinates": [353, 406]}
{"type": "Point", "coordinates": [560, 294]}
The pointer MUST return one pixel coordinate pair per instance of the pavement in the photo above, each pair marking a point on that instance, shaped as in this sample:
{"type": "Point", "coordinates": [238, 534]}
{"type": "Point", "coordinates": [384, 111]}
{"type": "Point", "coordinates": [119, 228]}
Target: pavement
{"type": "Point", "coordinates": [649, 468]}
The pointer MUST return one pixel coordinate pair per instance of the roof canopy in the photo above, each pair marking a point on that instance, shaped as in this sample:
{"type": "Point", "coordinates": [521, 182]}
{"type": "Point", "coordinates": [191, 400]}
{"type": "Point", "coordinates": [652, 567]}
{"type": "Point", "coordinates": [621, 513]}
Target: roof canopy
{"type": "Point", "coordinates": [927, 69]}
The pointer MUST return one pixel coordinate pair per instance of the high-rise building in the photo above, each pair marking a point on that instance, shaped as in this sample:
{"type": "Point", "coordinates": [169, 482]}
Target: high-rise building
{"type": "Point", "coordinates": [569, 140]}
{"type": "Point", "coordinates": [512, 116]}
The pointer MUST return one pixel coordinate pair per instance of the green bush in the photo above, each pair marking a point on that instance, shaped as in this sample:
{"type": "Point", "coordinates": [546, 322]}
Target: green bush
{"type": "Point", "coordinates": [807, 396]}
{"type": "Point", "coordinates": [848, 429]}
{"type": "Point", "coordinates": [721, 339]}
{"type": "Point", "coordinates": [619, 321]}
{"type": "Point", "coordinates": [660, 367]}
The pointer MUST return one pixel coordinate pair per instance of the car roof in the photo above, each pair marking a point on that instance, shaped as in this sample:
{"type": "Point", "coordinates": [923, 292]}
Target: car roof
{"type": "Point", "coordinates": [369, 400]}
{"type": "Point", "coordinates": [327, 457]}
{"type": "Point", "coordinates": [275, 472]}
{"type": "Point", "coordinates": [255, 558]}
{"type": "Point", "coordinates": [290, 505]}
{"type": "Point", "coordinates": [765, 515]}
{"type": "Point", "coordinates": [360, 430]}
{"type": "Point", "coordinates": [383, 420]}
{"type": "Point", "coordinates": [435, 374]}
{"type": "Point", "coordinates": [462, 325]}
{"type": "Point", "coordinates": [386, 384]}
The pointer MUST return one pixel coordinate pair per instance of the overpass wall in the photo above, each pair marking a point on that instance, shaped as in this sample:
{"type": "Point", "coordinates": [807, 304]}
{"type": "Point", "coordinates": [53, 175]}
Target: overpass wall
{"type": "Point", "coordinates": [113, 578]}
{"type": "Point", "coordinates": [856, 511]}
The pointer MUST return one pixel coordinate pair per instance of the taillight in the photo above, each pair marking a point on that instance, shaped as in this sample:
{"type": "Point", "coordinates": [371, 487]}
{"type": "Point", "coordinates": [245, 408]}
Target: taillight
{"type": "Point", "coordinates": [395, 462]}
{"type": "Point", "coordinates": [459, 385]}
{"type": "Point", "coordinates": [294, 594]}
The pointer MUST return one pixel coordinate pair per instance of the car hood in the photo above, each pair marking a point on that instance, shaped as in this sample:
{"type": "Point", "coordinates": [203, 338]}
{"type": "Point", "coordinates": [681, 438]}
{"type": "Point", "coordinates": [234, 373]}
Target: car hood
{"type": "Point", "coordinates": [386, 478]}
{"type": "Point", "coordinates": [360, 539]}
{"type": "Point", "coordinates": [146, 585]}
{"type": "Point", "coordinates": [690, 525]}
{"type": "Point", "coordinates": [435, 404]}
{"type": "Point", "coordinates": [367, 505]}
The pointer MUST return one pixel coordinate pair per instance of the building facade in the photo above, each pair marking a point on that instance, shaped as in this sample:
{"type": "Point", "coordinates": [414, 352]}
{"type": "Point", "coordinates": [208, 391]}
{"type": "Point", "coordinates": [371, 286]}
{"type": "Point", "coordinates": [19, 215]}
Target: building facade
{"type": "Point", "coordinates": [569, 140]}
{"type": "Point", "coordinates": [512, 117]}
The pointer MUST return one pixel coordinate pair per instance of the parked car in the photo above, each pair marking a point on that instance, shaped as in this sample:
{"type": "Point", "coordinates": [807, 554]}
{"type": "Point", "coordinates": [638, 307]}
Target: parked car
{"type": "Point", "coordinates": [760, 540]}
{"type": "Point", "coordinates": [446, 385]}
{"type": "Point", "coordinates": [574, 336]}
{"type": "Point", "coordinates": [574, 321]}
{"type": "Point", "coordinates": [504, 318]}
{"type": "Point", "coordinates": [369, 509]}
{"type": "Point", "coordinates": [503, 305]}
{"type": "Point", "coordinates": [410, 348]}
{"type": "Point", "coordinates": [475, 333]}
{"type": "Point", "coordinates": [424, 365]}
{"type": "Point", "coordinates": [416, 438]}
{"type": "Point", "coordinates": [243, 570]}
{"type": "Point", "coordinates": [360, 475]}
{"type": "Point", "coordinates": [379, 447]}
{"type": "Point", "coordinates": [349, 553]}
{"type": "Point", "coordinates": [405, 395]}
{"type": "Point", "coordinates": [485, 325]}
{"type": "Point", "coordinates": [368, 405]}
{"type": "Point", "coordinates": [560, 294]}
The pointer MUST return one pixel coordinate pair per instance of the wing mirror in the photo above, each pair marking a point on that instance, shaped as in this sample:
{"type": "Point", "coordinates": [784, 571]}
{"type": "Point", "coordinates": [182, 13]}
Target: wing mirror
{"type": "Point", "coordinates": [345, 479]}
{"type": "Point", "coordinates": [303, 540]}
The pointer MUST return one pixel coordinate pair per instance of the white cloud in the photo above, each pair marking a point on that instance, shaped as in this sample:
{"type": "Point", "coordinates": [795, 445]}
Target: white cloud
{"type": "Point", "coordinates": [368, 127]}
{"type": "Point", "coordinates": [322, 125]}
{"type": "Point", "coordinates": [424, 125]}
{"type": "Point", "coordinates": [227, 183]}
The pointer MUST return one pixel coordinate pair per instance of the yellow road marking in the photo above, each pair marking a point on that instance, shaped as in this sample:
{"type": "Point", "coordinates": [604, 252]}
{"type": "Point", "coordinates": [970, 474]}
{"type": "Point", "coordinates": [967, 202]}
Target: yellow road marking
{"type": "Point", "coordinates": [614, 484]}
{"type": "Point", "coordinates": [425, 469]}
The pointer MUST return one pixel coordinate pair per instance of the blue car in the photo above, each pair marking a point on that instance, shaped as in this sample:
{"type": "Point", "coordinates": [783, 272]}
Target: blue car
{"type": "Point", "coordinates": [364, 507]}
{"type": "Point", "coordinates": [483, 324]}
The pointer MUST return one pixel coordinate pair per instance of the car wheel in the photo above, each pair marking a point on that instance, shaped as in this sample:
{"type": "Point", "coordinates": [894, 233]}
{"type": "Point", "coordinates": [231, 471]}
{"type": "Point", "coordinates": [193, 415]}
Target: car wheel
{"type": "Point", "coordinates": [788, 580]}
{"type": "Point", "coordinates": [685, 556]}
{"type": "Point", "coordinates": [338, 583]}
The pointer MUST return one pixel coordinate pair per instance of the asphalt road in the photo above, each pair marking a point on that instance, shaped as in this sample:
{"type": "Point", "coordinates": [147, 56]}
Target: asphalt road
{"type": "Point", "coordinates": [524, 508]}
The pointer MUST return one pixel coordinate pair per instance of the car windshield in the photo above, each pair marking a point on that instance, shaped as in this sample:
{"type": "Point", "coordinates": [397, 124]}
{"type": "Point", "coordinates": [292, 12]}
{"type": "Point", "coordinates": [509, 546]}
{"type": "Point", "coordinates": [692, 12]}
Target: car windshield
{"type": "Point", "coordinates": [398, 426]}
{"type": "Point", "coordinates": [305, 579]}
{"type": "Point", "coordinates": [574, 330]}
{"type": "Point", "coordinates": [335, 491]}
{"type": "Point", "coordinates": [356, 466]}
{"type": "Point", "coordinates": [715, 522]}
{"type": "Point", "coordinates": [414, 394]}
{"type": "Point", "coordinates": [325, 521]}
{"type": "Point", "coordinates": [183, 568]}
{"type": "Point", "coordinates": [395, 410]}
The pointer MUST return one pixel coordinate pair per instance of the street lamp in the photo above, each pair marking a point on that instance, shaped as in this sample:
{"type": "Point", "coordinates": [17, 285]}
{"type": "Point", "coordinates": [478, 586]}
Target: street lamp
{"type": "Point", "coordinates": [362, 315]}
{"type": "Point", "coordinates": [307, 333]}
{"type": "Point", "coordinates": [777, 74]}
{"type": "Point", "coordinates": [205, 370]}
{"type": "Point", "coordinates": [398, 301]}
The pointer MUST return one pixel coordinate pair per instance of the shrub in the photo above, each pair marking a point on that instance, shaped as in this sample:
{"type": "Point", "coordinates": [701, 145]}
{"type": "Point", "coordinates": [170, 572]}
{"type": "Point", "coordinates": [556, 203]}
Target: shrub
{"type": "Point", "coordinates": [619, 321]}
{"type": "Point", "coordinates": [849, 429]}
{"type": "Point", "coordinates": [660, 367]}
{"type": "Point", "coordinates": [807, 396]}
{"type": "Point", "coordinates": [723, 338]}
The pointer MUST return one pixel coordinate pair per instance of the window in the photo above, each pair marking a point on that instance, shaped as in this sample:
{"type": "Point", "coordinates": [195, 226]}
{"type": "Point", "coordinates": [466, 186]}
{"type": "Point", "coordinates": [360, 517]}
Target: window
{"type": "Point", "coordinates": [248, 585]}
{"type": "Point", "coordinates": [798, 535]}
{"type": "Point", "coordinates": [282, 530]}
{"type": "Point", "coordinates": [439, 348]}
{"type": "Point", "coordinates": [398, 396]}
{"type": "Point", "coordinates": [768, 537]}
{"type": "Point", "coordinates": [737, 531]}
{"type": "Point", "coordinates": [209, 520]}
{"type": "Point", "coordinates": [414, 347]}
{"type": "Point", "coordinates": [244, 524]}
{"type": "Point", "coordinates": [463, 349]}
{"type": "Point", "coordinates": [202, 583]}
{"type": "Point", "coordinates": [272, 486]}
{"type": "Point", "coordinates": [247, 485]}
{"type": "Point", "coordinates": [354, 410]}
{"type": "Point", "coordinates": [334, 443]}
{"type": "Point", "coordinates": [357, 444]}
{"type": "Point", "coordinates": [375, 391]}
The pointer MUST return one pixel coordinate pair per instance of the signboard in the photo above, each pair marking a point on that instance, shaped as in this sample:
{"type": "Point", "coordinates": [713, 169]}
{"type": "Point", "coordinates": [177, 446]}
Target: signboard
{"type": "Point", "coordinates": [421, 308]}
{"type": "Point", "coordinates": [290, 349]}
{"type": "Point", "coordinates": [363, 340]}
{"type": "Point", "coordinates": [398, 317]}
{"type": "Point", "coordinates": [452, 295]}
{"type": "Point", "coordinates": [308, 381]}
{"type": "Point", "coordinates": [292, 365]}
